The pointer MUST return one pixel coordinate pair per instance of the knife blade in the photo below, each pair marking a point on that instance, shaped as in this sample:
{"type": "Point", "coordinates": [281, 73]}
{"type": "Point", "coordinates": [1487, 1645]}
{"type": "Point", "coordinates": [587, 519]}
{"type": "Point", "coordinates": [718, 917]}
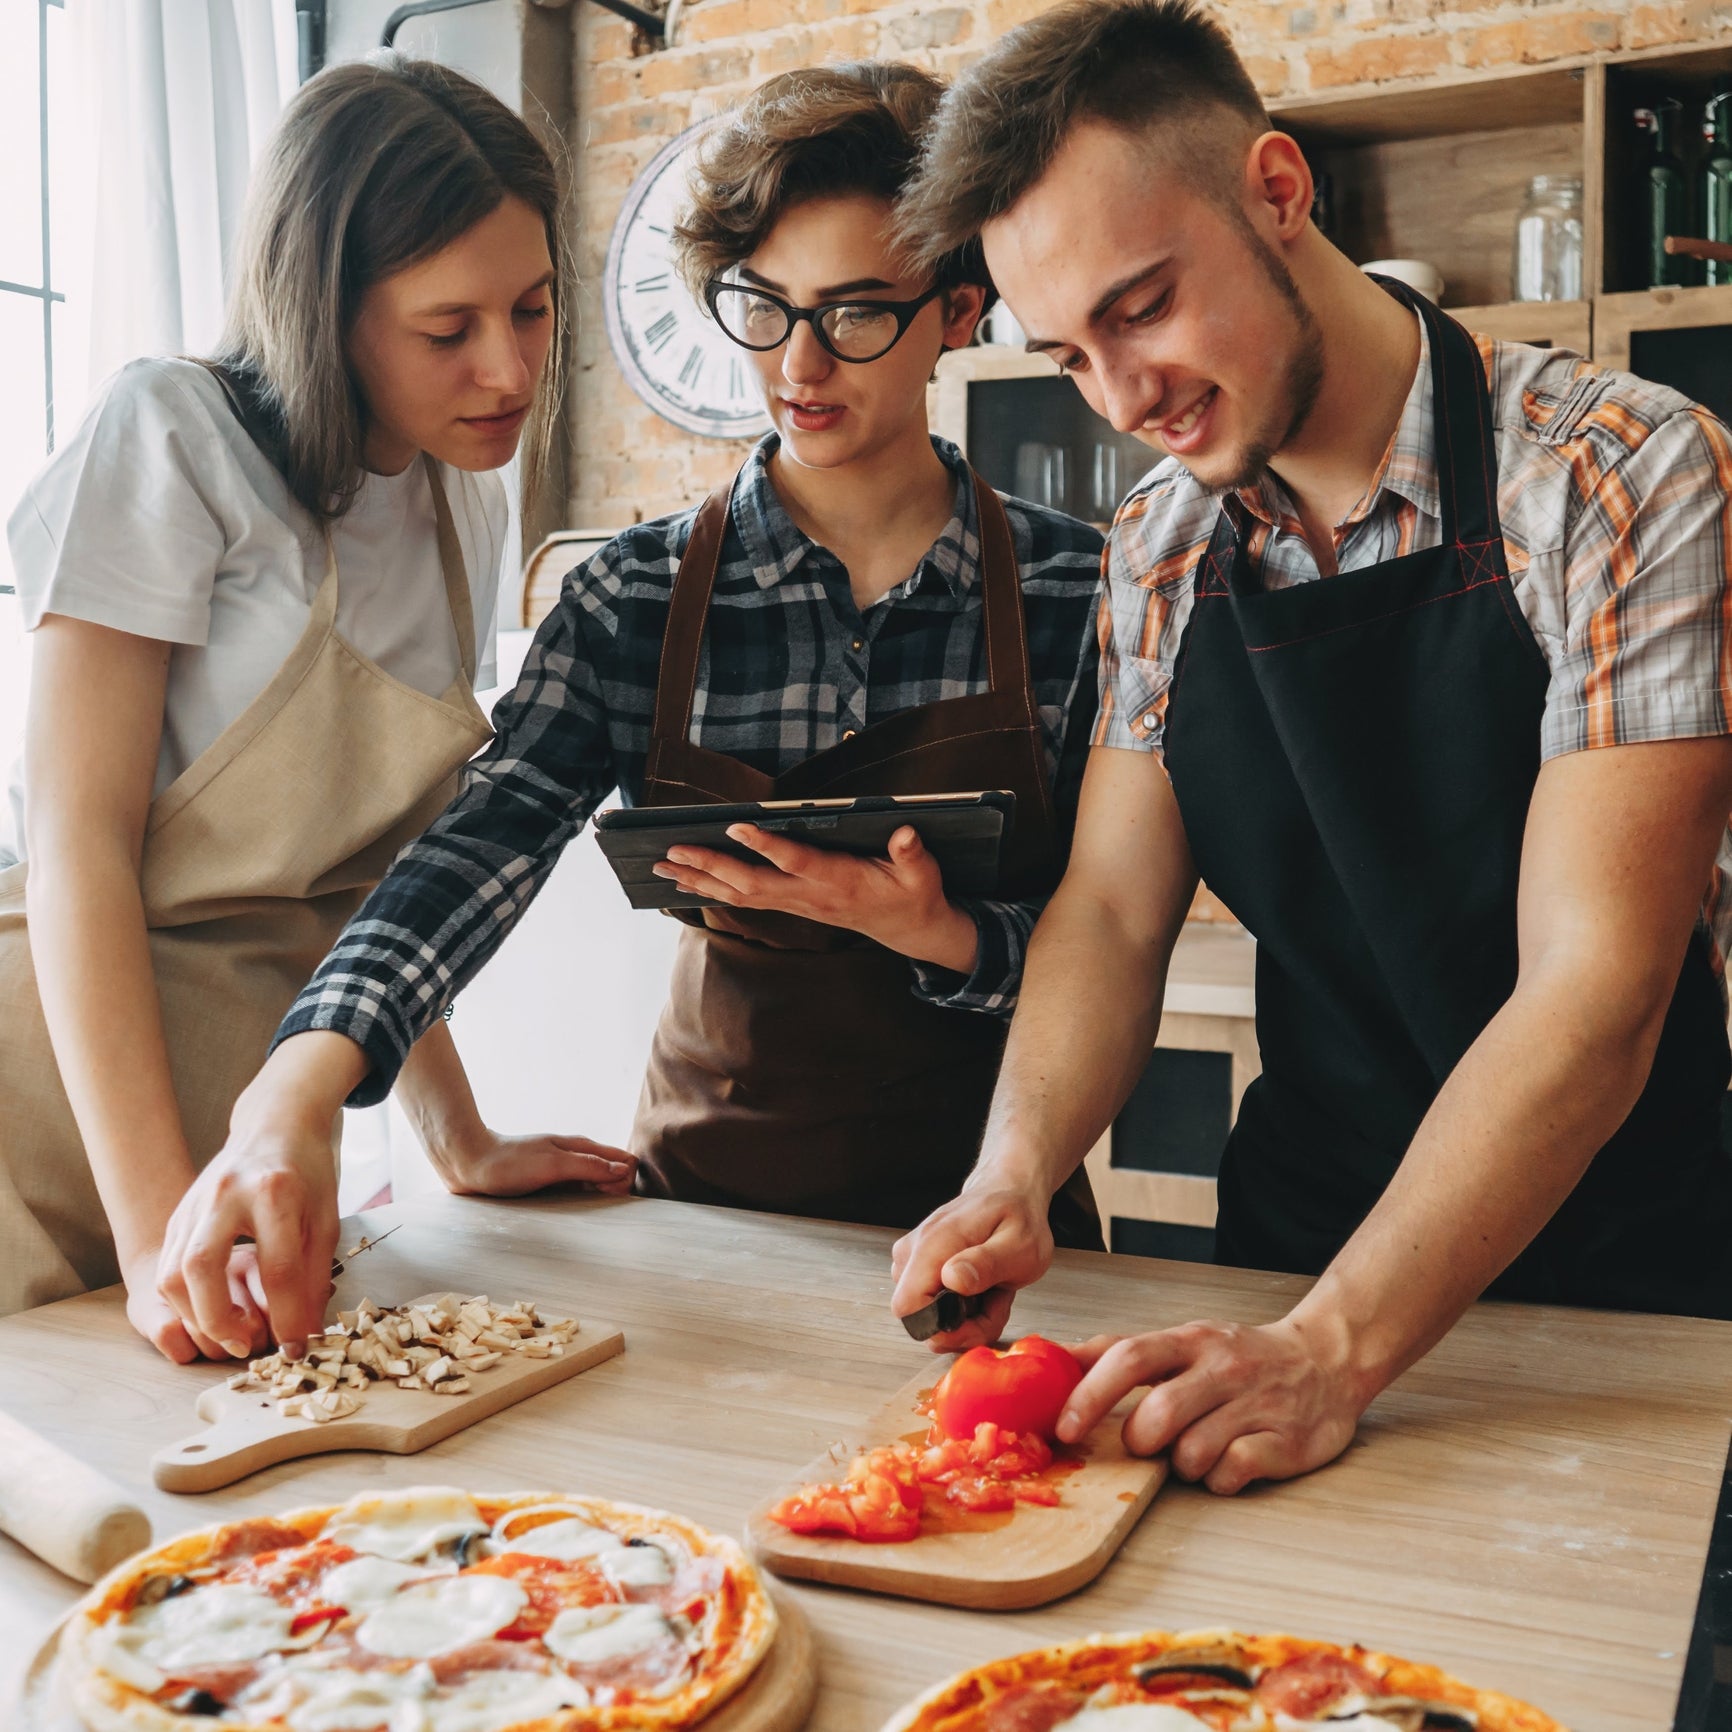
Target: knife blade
{"type": "Point", "coordinates": [365, 1244]}
{"type": "Point", "coordinates": [946, 1312]}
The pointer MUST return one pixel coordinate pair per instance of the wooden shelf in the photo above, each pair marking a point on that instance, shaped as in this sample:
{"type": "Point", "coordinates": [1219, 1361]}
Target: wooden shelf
{"type": "Point", "coordinates": [1619, 319]}
{"type": "Point", "coordinates": [1494, 102]}
{"type": "Point", "coordinates": [1551, 324]}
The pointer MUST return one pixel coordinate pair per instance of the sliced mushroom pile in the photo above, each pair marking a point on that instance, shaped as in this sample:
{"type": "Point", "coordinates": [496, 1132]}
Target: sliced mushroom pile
{"type": "Point", "coordinates": [433, 1347]}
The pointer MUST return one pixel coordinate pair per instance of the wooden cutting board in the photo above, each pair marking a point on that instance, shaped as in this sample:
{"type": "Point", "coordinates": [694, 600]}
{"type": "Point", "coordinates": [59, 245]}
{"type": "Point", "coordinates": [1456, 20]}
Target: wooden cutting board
{"type": "Point", "coordinates": [776, 1698]}
{"type": "Point", "coordinates": [987, 1562]}
{"type": "Point", "coordinates": [247, 1433]}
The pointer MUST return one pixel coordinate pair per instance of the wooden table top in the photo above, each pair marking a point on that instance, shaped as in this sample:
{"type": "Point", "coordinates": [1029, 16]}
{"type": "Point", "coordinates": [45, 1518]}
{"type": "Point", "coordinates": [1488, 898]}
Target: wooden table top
{"type": "Point", "coordinates": [1529, 1508]}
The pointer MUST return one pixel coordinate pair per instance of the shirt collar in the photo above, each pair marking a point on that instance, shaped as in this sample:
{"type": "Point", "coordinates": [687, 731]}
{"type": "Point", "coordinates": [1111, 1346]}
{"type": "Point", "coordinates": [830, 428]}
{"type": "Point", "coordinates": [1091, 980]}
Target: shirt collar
{"type": "Point", "coordinates": [1408, 469]}
{"type": "Point", "coordinates": [776, 545]}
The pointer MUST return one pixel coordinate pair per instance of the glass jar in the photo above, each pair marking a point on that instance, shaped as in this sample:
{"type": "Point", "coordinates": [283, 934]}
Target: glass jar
{"type": "Point", "coordinates": [1548, 241]}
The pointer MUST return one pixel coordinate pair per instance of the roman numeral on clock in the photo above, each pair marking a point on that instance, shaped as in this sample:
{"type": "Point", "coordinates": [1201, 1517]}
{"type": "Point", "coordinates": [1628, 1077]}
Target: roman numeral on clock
{"type": "Point", "coordinates": [652, 285]}
{"type": "Point", "coordinates": [660, 334]}
{"type": "Point", "coordinates": [694, 365]}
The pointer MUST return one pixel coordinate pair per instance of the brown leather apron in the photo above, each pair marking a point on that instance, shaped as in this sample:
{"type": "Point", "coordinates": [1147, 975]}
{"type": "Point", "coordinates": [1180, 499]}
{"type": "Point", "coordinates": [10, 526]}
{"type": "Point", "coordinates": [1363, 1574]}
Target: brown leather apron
{"type": "Point", "coordinates": [794, 1069]}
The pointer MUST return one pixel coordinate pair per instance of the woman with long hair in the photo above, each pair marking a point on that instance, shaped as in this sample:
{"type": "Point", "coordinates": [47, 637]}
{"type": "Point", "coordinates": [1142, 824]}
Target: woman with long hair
{"type": "Point", "coordinates": [262, 589]}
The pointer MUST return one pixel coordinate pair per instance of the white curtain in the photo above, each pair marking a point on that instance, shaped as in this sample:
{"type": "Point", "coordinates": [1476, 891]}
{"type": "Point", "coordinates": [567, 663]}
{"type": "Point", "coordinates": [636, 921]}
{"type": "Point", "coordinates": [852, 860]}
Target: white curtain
{"type": "Point", "coordinates": [183, 94]}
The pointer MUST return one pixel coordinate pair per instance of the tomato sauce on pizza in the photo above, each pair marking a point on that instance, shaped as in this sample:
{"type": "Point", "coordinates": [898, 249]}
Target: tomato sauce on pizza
{"type": "Point", "coordinates": [1212, 1681]}
{"type": "Point", "coordinates": [459, 1613]}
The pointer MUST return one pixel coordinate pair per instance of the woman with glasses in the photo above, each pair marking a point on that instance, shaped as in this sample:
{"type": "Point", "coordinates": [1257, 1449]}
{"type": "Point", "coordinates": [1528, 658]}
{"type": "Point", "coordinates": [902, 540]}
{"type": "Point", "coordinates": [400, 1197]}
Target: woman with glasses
{"type": "Point", "coordinates": [857, 613]}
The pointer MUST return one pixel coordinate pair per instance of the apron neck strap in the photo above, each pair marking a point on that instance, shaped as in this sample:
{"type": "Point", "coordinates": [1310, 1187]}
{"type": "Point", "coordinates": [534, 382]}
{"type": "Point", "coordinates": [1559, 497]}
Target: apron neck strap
{"type": "Point", "coordinates": [456, 573]}
{"type": "Point", "coordinates": [688, 608]}
{"type": "Point", "coordinates": [1465, 443]}
{"type": "Point", "coordinates": [1007, 666]}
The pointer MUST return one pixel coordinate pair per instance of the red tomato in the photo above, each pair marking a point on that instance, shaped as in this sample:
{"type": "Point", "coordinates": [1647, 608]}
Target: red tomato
{"type": "Point", "coordinates": [1022, 1388]}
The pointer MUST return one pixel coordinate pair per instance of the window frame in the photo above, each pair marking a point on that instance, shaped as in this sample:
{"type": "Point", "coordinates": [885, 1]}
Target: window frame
{"type": "Point", "coordinates": [45, 291]}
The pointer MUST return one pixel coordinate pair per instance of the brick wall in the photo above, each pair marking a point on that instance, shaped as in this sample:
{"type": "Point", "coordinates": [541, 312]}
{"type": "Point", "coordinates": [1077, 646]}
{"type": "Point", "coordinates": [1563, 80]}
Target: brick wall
{"type": "Point", "coordinates": [628, 464]}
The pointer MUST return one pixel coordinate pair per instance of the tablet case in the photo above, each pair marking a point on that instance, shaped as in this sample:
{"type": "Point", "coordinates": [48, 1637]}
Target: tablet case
{"type": "Point", "coordinates": [964, 833]}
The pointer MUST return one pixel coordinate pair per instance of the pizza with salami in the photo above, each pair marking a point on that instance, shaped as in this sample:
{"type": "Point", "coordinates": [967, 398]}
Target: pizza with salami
{"type": "Point", "coordinates": [428, 1608]}
{"type": "Point", "coordinates": [1211, 1681]}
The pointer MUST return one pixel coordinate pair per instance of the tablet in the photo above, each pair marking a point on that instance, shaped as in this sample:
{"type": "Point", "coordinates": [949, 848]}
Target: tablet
{"type": "Point", "coordinates": [963, 832]}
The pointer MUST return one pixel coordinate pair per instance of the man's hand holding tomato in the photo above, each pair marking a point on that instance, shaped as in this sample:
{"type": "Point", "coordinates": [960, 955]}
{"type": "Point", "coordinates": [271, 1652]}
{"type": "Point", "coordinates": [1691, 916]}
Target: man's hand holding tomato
{"type": "Point", "coordinates": [1233, 1403]}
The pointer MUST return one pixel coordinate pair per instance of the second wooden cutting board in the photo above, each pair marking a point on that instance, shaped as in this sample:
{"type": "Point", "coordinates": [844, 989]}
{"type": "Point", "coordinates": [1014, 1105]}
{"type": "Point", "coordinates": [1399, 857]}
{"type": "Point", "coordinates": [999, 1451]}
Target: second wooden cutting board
{"type": "Point", "coordinates": [246, 1432]}
{"type": "Point", "coordinates": [987, 1563]}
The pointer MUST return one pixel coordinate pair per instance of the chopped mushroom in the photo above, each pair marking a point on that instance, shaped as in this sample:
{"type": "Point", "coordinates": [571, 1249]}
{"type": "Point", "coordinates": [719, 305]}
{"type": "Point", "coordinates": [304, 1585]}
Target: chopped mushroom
{"type": "Point", "coordinates": [432, 1348]}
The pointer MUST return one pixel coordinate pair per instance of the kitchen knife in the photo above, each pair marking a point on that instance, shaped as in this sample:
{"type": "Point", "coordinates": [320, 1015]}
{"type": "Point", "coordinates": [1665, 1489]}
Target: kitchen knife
{"type": "Point", "coordinates": [948, 1311]}
{"type": "Point", "coordinates": [366, 1244]}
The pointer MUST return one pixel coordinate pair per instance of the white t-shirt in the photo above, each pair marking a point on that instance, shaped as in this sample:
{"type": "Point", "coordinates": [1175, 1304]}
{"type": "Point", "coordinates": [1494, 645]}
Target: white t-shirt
{"type": "Point", "coordinates": [161, 517]}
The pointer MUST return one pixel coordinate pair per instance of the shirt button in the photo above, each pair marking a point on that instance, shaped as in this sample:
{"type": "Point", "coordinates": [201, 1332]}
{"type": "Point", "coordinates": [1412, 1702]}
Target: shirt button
{"type": "Point", "coordinates": [1151, 721]}
{"type": "Point", "coordinates": [858, 643]}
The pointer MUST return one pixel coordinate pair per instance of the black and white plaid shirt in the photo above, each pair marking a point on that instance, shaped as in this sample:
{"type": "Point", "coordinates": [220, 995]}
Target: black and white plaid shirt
{"type": "Point", "coordinates": [789, 663]}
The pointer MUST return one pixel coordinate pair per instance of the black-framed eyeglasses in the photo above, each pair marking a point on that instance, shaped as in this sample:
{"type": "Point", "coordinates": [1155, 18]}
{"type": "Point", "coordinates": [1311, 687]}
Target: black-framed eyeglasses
{"type": "Point", "coordinates": [849, 330]}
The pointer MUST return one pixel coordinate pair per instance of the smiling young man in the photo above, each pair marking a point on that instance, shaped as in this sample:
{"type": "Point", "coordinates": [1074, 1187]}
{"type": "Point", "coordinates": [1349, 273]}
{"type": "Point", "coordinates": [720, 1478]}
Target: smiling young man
{"type": "Point", "coordinates": [1416, 646]}
{"type": "Point", "coordinates": [855, 614]}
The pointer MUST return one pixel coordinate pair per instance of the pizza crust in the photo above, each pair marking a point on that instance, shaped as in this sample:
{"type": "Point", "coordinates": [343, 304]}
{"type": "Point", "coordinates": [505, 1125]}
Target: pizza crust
{"type": "Point", "coordinates": [954, 1705]}
{"type": "Point", "coordinates": [746, 1619]}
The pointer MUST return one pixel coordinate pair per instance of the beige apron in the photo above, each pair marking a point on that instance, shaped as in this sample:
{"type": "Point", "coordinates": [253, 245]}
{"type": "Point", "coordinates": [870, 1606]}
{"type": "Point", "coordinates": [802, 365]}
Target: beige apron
{"type": "Point", "coordinates": [254, 859]}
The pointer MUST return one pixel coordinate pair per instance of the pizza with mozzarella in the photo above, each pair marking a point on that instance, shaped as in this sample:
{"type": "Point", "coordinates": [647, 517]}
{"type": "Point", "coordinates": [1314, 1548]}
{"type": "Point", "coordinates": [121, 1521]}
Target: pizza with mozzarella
{"type": "Point", "coordinates": [1211, 1681]}
{"type": "Point", "coordinates": [429, 1609]}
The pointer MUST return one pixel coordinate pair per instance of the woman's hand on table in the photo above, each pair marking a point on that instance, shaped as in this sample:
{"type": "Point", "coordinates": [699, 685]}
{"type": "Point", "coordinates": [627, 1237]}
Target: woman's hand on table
{"type": "Point", "coordinates": [898, 901]}
{"type": "Point", "coordinates": [992, 1239]}
{"type": "Point", "coordinates": [494, 1165]}
{"type": "Point", "coordinates": [156, 1320]}
{"type": "Point", "coordinates": [1233, 1402]}
{"type": "Point", "coordinates": [275, 1182]}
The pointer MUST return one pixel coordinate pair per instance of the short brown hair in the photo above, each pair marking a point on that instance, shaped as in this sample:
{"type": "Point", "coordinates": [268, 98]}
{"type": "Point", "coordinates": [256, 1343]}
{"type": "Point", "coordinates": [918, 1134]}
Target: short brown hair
{"type": "Point", "coordinates": [374, 166]}
{"type": "Point", "coordinates": [815, 133]}
{"type": "Point", "coordinates": [1134, 64]}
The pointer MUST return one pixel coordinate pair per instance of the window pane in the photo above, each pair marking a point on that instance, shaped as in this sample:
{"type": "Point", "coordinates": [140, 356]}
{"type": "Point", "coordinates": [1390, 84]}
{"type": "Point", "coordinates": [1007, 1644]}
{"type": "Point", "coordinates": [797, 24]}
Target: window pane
{"type": "Point", "coordinates": [72, 226]}
{"type": "Point", "coordinates": [20, 143]}
{"type": "Point", "coordinates": [23, 437]}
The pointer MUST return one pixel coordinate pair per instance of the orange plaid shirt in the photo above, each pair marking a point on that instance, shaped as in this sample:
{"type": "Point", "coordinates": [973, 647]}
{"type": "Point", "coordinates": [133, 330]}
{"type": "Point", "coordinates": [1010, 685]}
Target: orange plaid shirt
{"type": "Point", "coordinates": [1616, 502]}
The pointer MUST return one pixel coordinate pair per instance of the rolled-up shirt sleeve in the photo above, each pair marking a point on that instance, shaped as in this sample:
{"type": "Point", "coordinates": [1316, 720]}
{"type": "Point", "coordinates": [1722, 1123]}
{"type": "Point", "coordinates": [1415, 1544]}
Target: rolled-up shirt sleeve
{"type": "Point", "coordinates": [1144, 607]}
{"type": "Point", "coordinates": [1646, 580]}
{"type": "Point", "coordinates": [453, 895]}
{"type": "Point", "coordinates": [1004, 928]}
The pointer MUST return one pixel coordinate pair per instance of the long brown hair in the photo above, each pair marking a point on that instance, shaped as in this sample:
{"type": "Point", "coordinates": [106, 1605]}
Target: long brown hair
{"type": "Point", "coordinates": [374, 166]}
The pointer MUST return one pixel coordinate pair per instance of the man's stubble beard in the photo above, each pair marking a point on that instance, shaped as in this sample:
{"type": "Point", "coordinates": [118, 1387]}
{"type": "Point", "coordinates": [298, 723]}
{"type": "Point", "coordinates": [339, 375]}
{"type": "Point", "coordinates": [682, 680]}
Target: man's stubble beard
{"type": "Point", "coordinates": [1301, 381]}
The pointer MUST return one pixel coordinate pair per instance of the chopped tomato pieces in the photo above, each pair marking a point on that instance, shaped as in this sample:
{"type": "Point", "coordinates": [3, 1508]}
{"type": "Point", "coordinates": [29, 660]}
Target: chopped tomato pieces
{"type": "Point", "coordinates": [982, 1494]}
{"type": "Point", "coordinates": [884, 1490]}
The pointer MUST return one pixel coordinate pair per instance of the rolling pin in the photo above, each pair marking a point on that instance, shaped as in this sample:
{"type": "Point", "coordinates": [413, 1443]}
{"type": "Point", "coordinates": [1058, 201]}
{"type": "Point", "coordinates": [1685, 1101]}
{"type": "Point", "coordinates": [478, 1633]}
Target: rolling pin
{"type": "Point", "coordinates": [65, 1512]}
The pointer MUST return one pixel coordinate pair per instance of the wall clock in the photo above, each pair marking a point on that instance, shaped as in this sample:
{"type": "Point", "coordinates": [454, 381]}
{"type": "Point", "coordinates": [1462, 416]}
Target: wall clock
{"type": "Point", "coordinates": [668, 346]}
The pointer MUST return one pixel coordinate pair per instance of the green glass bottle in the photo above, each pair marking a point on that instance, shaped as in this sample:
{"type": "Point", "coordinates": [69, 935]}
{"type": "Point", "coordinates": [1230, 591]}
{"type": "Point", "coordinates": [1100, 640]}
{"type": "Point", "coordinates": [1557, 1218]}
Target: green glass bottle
{"type": "Point", "coordinates": [1665, 196]}
{"type": "Point", "coordinates": [1717, 178]}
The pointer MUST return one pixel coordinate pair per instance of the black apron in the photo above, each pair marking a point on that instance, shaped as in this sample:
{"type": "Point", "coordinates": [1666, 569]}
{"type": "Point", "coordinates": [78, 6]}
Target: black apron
{"type": "Point", "coordinates": [1353, 759]}
{"type": "Point", "coordinates": [794, 1069]}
